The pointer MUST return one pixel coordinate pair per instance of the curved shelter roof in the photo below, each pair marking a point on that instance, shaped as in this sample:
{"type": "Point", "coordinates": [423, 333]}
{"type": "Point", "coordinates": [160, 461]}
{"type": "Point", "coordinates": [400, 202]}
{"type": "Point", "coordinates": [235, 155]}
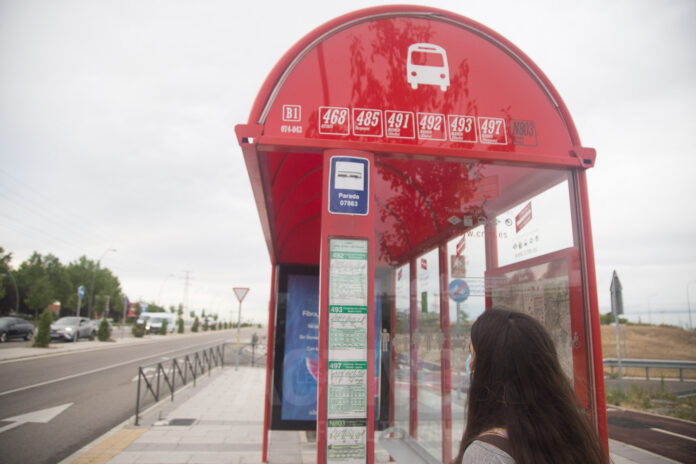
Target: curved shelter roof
{"type": "Point", "coordinates": [412, 85]}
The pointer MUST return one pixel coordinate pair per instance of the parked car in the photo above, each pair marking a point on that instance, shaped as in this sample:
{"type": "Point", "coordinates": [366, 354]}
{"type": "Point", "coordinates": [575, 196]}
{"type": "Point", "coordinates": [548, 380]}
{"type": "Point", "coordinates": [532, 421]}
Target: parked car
{"type": "Point", "coordinates": [97, 322]}
{"type": "Point", "coordinates": [64, 328]}
{"type": "Point", "coordinates": [153, 323]}
{"type": "Point", "coordinates": [15, 327]}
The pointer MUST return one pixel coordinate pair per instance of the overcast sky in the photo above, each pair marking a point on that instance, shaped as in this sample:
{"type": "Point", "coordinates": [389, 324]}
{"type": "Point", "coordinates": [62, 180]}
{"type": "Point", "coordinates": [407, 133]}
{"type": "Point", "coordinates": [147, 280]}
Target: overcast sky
{"type": "Point", "coordinates": [117, 130]}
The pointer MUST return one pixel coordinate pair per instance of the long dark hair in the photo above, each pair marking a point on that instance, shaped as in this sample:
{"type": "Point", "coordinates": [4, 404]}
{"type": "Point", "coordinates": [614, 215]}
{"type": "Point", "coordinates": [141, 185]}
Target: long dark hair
{"type": "Point", "coordinates": [518, 383]}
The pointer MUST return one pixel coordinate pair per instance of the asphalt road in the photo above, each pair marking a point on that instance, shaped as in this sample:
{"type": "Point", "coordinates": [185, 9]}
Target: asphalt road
{"type": "Point", "coordinates": [661, 435]}
{"type": "Point", "coordinates": [96, 388]}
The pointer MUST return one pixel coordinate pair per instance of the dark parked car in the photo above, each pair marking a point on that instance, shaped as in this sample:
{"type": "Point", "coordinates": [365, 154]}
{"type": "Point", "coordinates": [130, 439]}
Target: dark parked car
{"type": "Point", "coordinates": [64, 329]}
{"type": "Point", "coordinates": [15, 327]}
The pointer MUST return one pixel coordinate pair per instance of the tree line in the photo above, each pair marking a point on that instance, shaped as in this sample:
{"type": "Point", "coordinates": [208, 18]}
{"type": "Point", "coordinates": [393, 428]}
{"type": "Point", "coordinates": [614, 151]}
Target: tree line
{"type": "Point", "coordinates": [43, 279]}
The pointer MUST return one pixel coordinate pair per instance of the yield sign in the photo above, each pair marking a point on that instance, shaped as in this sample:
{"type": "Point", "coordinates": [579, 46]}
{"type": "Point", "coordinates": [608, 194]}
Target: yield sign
{"type": "Point", "coordinates": [241, 292]}
{"type": "Point", "coordinates": [42, 416]}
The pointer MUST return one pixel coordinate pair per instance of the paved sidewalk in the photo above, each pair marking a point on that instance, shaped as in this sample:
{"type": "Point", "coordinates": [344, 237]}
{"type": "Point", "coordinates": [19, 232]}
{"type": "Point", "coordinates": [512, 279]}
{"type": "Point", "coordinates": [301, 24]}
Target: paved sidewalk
{"type": "Point", "coordinates": [221, 421]}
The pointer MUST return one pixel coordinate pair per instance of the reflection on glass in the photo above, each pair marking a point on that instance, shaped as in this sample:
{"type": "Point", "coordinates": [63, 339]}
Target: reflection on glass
{"type": "Point", "coordinates": [401, 345]}
{"type": "Point", "coordinates": [429, 343]}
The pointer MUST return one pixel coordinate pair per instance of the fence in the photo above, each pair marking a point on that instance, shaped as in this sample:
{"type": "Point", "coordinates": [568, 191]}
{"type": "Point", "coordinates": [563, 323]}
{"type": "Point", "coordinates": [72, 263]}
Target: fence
{"type": "Point", "coordinates": [647, 364]}
{"type": "Point", "coordinates": [158, 379]}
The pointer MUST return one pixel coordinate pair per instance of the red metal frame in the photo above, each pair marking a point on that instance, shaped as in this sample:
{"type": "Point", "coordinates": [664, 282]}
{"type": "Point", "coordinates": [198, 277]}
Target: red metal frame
{"type": "Point", "coordinates": [270, 342]}
{"type": "Point", "coordinates": [591, 282]}
{"type": "Point", "coordinates": [445, 357]}
{"type": "Point", "coordinates": [259, 137]}
{"type": "Point", "coordinates": [413, 350]}
{"type": "Point", "coordinates": [344, 226]}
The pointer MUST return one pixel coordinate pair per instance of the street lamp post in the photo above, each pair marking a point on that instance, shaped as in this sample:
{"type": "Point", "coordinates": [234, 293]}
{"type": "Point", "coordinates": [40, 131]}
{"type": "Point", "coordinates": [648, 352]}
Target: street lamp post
{"type": "Point", "coordinates": [688, 303]}
{"type": "Point", "coordinates": [16, 289]}
{"type": "Point", "coordinates": [91, 287]}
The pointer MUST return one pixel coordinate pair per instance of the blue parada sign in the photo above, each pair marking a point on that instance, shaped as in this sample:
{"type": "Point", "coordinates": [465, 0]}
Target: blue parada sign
{"type": "Point", "coordinates": [349, 185]}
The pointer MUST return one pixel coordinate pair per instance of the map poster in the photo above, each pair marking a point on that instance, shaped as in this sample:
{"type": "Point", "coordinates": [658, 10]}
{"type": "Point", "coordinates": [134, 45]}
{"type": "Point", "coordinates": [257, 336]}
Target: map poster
{"type": "Point", "coordinates": [347, 441]}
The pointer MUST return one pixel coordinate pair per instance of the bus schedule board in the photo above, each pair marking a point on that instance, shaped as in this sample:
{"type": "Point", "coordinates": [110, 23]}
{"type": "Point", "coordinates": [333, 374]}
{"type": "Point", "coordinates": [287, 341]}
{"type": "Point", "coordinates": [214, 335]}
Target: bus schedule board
{"type": "Point", "coordinates": [347, 386]}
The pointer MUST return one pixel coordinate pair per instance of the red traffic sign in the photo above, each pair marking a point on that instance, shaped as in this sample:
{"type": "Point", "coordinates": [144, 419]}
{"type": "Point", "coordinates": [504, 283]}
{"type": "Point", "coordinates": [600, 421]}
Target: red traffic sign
{"type": "Point", "coordinates": [241, 292]}
{"type": "Point", "coordinates": [461, 244]}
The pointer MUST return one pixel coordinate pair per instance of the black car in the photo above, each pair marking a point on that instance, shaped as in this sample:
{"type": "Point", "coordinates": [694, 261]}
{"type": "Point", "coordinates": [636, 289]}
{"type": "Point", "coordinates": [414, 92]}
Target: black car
{"type": "Point", "coordinates": [15, 327]}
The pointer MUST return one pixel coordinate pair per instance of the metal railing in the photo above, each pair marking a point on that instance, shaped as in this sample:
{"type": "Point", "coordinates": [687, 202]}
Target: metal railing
{"type": "Point", "coordinates": [158, 379]}
{"type": "Point", "coordinates": [647, 364]}
{"type": "Point", "coordinates": [165, 373]}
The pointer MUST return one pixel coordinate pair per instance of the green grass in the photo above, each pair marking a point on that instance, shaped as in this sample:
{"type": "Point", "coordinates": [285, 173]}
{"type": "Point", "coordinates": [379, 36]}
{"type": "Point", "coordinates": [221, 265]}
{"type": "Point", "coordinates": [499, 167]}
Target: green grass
{"type": "Point", "coordinates": [637, 398]}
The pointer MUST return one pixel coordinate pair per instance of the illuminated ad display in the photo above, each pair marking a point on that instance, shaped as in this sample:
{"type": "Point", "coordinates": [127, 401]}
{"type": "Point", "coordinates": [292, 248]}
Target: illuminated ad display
{"type": "Point", "coordinates": [296, 350]}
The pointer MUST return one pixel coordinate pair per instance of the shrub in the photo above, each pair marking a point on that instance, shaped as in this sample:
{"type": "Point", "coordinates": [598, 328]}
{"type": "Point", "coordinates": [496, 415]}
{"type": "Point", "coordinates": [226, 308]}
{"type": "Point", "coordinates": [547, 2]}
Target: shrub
{"type": "Point", "coordinates": [138, 330]}
{"type": "Point", "coordinates": [196, 323]}
{"type": "Point", "coordinates": [163, 327]}
{"type": "Point", "coordinates": [43, 334]}
{"type": "Point", "coordinates": [104, 332]}
{"type": "Point", "coordinates": [180, 325]}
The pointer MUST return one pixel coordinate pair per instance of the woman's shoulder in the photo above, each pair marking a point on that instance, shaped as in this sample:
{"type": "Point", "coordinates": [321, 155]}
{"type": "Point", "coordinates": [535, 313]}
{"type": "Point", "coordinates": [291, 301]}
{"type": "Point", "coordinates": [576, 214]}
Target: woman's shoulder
{"type": "Point", "coordinates": [479, 452]}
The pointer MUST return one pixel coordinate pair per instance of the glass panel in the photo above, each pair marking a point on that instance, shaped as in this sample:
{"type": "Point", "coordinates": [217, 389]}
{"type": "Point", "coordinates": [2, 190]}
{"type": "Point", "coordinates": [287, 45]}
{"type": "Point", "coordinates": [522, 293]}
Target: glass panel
{"type": "Point", "coordinates": [467, 263]}
{"type": "Point", "coordinates": [497, 223]}
{"type": "Point", "coordinates": [429, 342]}
{"type": "Point", "coordinates": [536, 226]}
{"type": "Point", "coordinates": [401, 345]}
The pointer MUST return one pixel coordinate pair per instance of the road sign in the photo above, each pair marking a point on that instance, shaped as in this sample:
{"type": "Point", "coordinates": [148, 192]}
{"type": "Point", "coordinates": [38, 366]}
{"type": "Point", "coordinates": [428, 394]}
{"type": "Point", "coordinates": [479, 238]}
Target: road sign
{"type": "Point", "coordinates": [616, 295]}
{"type": "Point", "coordinates": [349, 185]}
{"type": "Point", "coordinates": [461, 244]}
{"type": "Point", "coordinates": [458, 290]}
{"type": "Point", "coordinates": [81, 291]}
{"type": "Point", "coordinates": [241, 292]}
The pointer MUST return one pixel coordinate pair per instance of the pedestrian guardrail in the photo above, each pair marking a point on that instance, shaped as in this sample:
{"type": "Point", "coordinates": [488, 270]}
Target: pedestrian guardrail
{"type": "Point", "coordinates": [153, 376]}
{"type": "Point", "coordinates": [159, 379]}
{"type": "Point", "coordinates": [648, 364]}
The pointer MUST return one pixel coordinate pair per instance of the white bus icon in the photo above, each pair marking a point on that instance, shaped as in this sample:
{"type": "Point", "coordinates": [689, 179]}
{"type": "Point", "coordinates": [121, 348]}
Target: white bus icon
{"type": "Point", "coordinates": [427, 64]}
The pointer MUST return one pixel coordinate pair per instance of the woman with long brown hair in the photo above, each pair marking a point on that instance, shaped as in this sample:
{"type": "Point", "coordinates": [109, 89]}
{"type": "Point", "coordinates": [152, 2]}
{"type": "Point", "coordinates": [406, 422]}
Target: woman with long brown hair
{"type": "Point", "coordinates": [521, 406]}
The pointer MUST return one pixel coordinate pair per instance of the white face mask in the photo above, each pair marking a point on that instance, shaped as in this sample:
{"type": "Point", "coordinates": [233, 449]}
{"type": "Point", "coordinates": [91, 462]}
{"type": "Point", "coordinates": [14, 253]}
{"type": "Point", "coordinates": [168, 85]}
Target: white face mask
{"type": "Point", "coordinates": [468, 369]}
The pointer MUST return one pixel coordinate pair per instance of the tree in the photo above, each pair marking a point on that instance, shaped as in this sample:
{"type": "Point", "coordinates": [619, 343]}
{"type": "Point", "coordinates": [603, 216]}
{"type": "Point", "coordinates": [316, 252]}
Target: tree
{"type": "Point", "coordinates": [104, 333]}
{"type": "Point", "coordinates": [5, 259]}
{"type": "Point", "coordinates": [180, 325]}
{"type": "Point", "coordinates": [196, 323]}
{"type": "Point", "coordinates": [163, 327]}
{"type": "Point", "coordinates": [43, 334]}
{"type": "Point", "coordinates": [35, 287]}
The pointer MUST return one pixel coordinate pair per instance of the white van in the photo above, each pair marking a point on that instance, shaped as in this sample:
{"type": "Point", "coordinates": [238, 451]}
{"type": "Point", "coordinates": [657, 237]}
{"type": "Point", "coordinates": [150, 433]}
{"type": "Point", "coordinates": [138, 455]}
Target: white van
{"type": "Point", "coordinates": [153, 322]}
{"type": "Point", "coordinates": [427, 64]}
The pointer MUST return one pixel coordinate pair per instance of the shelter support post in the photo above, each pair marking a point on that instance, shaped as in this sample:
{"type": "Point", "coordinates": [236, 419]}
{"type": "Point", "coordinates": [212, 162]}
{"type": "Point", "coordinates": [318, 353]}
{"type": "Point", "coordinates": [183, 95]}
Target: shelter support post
{"type": "Point", "coordinates": [270, 342]}
{"type": "Point", "coordinates": [345, 395]}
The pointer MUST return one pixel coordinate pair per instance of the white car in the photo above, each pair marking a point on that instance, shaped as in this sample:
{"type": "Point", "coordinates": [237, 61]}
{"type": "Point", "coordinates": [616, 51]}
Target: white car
{"type": "Point", "coordinates": [154, 321]}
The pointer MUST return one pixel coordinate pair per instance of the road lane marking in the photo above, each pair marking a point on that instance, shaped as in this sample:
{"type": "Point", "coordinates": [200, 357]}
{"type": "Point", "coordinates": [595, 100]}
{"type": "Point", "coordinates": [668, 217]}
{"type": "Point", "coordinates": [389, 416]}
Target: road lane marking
{"type": "Point", "coordinates": [672, 433]}
{"type": "Point", "coordinates": [93, 371]}
{"type": "Point", "coordinates": [42, 416]}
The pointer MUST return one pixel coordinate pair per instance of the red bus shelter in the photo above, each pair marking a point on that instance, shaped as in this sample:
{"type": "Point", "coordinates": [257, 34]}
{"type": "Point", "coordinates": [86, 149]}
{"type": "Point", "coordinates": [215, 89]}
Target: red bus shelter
{"type": "Point", "coordinates": [412, 168]}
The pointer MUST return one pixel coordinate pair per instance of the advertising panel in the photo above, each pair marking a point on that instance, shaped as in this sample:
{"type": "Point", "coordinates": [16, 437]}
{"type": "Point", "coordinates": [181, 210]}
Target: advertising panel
{"type": "Point", "coordinates": [296, 350]}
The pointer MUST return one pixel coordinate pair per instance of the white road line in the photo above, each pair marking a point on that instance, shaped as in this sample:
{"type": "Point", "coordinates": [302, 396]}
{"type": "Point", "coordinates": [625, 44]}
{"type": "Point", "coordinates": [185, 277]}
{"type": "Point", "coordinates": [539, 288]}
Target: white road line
{"type": "Point", "coordinates": [673, 434]}
{"type": "Point", "coordinates": [93, 371]}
